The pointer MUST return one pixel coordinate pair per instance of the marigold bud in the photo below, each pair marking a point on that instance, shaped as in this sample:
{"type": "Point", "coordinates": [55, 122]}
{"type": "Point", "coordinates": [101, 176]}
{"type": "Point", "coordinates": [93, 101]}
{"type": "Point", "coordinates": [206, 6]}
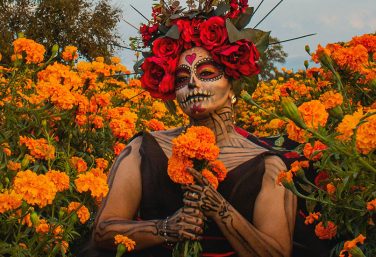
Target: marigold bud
{"type": "Point", "coordinates": [308, 49]}
{"type": "Point", "coordinates": [291, 111]}
{"type": "Point", "coordinates": [120, 250]}
{"type": "Point", "coordinates": [34, 218]}
{"type": "Point", "coordinates": [54, 50]}
{"type": "Point", "coordinates": [356, 252]}
{"type": "Point", "coordinates": [25, 162]}
{"type": "Point", "coordinates": [306, 64]}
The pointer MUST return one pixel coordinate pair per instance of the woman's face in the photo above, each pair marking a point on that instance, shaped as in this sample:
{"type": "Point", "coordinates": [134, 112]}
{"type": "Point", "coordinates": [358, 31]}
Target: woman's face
{"type": "Point", "coordinates": [201, 87]}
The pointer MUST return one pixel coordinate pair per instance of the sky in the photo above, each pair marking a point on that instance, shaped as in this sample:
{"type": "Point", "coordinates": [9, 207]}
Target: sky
{"type": "Point", "coordinates": [332, 20]}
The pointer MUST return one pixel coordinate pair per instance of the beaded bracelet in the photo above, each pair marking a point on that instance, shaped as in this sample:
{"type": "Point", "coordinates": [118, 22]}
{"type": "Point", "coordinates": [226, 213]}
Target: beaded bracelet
{"type": "Point", "coordinates": [164, 233]}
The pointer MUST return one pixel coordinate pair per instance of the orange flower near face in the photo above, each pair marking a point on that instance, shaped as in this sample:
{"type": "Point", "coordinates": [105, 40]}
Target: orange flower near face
{"type": "Point", "coordinates": [13, 166]}
{"type": "Point", "coordinates": [276, 123]}
{"type": "Point", "coordinates": [60, 179]}
{"type": "Point", "coordinates": [177, 170]}
{"type": "Point", "coordinates": [330, 188]}
{"type": "Point", "coordinates": [314, 153]}
{"type": "Point", "coordinates": [366, 136]}
{"type": "Point", "coordinates": [212, 179]}
{"type": "Point", "coordinates": [34, 51]}
{"type": "Point", "coordinates": [155, 125]}
{"type": "Point", "coordinates": [128, 243]}
{"type": "Point", "coordinates": [331, 99]}
{"type": "Point", "coordinates": [35, 189]}
{"type": "Point", "coordinates": [313, 114]}
{"type": "Point", "coordinates": [327, 232]}
{"type": "Point", "coordinates": [79, 164]}
{"type": "Point", "coordinates": [81, 210]}
{"type": "Point", "coordinates": [312, 217]}
{"type": "Point", "coordinates": [124, 126]}
{"type": "Point", "coordinates": [39, 148]}
{"type": "Point", "coordinates": [371, 205]}
{"type": "Point", "coordinates": [118, 147]}
{"type": "Point", "coordinates": [101, 163]}
{"type": "Point", "coordinates": [89, 182]}
{"type": "Point", "coordinates": [9, 200]}
{"type": "Point", "coordinates": [69, 53]}
{"type": "Point", "coordinates": [219, 168]}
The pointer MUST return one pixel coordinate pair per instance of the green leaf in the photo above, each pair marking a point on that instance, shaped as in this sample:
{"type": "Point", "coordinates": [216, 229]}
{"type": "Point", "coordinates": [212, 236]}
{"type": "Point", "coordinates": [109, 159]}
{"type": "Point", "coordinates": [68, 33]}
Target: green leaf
{"type": "Point", "coordinates": [251, 83]}
{"type": "Point", "coordinates": [253, 35]}
{"type": "Point", "coordinates": [263, 41]}
{"type": "Point", "coordinates": [310, 205]}
{"type": "Point", "coordinates": [173, 32]}
{"type": "Point", "coordinates": [279, 141]}
{"type": "Point", "coordinates": [221, 9]}
{"type": "Point", "coordinates": [137, 66]}
{"type": "Point", "coordinates": [242, 21]}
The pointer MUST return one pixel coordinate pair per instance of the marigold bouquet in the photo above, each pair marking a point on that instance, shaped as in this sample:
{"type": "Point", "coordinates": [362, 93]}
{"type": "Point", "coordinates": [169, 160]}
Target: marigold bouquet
{"type": "Point", "coordinates": [329, 116]}
{"type": "Point", "coordinates": [195, 149]}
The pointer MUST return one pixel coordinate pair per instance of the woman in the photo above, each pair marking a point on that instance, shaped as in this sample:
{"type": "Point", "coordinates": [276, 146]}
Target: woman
{"type": "Point", "coordinates": [249, 215]}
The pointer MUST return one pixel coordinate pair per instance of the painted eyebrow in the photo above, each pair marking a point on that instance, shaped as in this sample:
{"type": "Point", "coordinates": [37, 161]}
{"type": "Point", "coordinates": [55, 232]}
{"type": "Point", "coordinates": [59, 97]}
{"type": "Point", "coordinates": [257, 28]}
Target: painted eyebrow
{"type": "Point", "coordinates": [183, 67]}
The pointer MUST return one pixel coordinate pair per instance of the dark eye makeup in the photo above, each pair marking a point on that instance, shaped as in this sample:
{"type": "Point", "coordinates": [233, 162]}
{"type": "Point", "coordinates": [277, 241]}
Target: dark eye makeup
{"type": "Point", "coordinates": [182, 76]}
{"type": "Point", "coordinates": [208, 70]}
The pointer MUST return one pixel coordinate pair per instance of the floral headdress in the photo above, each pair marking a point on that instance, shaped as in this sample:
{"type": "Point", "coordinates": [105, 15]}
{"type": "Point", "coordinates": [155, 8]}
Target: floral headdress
{"type": "Point", "coordinates": [217, 26]}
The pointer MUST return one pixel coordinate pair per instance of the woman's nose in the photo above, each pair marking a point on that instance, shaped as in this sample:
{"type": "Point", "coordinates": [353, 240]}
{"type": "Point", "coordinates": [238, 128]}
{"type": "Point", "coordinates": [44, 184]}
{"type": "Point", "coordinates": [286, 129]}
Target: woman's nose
{"type": "Point", "coordinates": [192, 82]}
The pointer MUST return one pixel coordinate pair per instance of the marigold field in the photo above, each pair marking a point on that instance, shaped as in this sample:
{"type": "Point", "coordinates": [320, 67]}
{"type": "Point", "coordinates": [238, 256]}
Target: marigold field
{"type": "Point", "coordinates": [62, 124]}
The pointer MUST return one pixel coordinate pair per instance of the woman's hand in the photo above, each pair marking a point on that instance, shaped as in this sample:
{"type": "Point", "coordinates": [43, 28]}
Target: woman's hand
{"type": "Point", "coordinates": [186, 223]}
{"type": "Point", "coordinates": [204, 196]}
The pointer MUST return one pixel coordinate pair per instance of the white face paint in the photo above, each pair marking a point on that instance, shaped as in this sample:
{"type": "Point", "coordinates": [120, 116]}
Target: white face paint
{"type": "Point", "coordinates": [200, 84]}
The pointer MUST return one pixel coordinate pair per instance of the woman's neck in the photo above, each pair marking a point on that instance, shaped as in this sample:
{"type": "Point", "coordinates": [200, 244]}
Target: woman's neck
{"type": "Point", "coordinates": [221, 122]}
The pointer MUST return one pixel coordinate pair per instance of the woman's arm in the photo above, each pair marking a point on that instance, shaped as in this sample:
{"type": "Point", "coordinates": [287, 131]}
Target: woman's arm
{"type": "Point", "coordinates": [119, 209]}
{"type": "Point", "coordinates": [270, 233]}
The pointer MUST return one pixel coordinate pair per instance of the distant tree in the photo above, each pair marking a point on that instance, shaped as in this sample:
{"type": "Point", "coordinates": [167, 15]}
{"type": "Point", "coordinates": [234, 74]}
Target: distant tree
{"type": "Point", "coordinates": [88, 25]}
{"type": "Point", "coordinates": [274, 54]}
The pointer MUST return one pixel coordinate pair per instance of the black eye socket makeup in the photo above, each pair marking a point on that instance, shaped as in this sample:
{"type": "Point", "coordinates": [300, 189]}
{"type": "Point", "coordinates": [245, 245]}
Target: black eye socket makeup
{"type": "Point", "coordinates": [182, 76]}
{"type": "Point", "coordinates": [208, 70]}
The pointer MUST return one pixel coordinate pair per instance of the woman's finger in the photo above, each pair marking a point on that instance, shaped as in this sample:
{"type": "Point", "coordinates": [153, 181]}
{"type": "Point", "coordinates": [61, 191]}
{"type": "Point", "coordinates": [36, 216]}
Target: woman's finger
{"type": "Point", "coordinates": [198, 221]}
{"type": "Point", "coordinates": [190, 203]}
{"type": "Point", "coordinates": [194, 196]}
{"type": "Point", "coordinates": [198, 176]}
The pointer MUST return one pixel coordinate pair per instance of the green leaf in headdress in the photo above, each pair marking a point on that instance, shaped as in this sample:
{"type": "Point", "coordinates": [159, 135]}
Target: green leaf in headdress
{"type": "Point", "coordinates": [262, 42]}
{"type": "Point", "coordinates": [137, 66]}
{"type": "Point", "coordinates": [173, 32]}
{"type": "Point", "coordinates": [171, 106]}
{"type": "Point", "coordinates": [253, 35]}
{"type": "Point", "coordinates": [243, 19]}
{"type": "Point", "coordinates": [221, 9]}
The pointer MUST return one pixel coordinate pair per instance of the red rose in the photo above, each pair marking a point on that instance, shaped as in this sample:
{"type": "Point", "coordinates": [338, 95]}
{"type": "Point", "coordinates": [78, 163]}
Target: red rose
{"type": "Point", "coordinates": [147, 33]}
{"type": "Point", "coordinates": [166, 47]}
{"type": "Point", "coordinates": [238, 58]}
{"type": "Point", "coordinates": [159, 77]}
{"type": "Point", "coordinates": [213, 32]}
{"type": "Point", "coordinates": [189, 32]}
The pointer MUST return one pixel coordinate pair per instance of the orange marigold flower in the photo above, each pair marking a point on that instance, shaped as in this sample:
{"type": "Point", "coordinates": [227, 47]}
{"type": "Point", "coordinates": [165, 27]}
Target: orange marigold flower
{"type": "Point", "coordinates": [98, 172]}
{"type": "Point", "coordinates": [81, 210]}
{"type": "Point", "coordinates": [81, 119]}
{"type": "Point", "coordinates": [366, 135]}
{"type": "Point", "coordinates": [325, 232]}
{"type": "Point", "coordinates": [118, 147]}
{"type": "Point", "coordinates": [155, 125]}
{"type": "Point", "coordinates": [27, 221]}
{"type": "Point", "coordinates": [89, 182]}
{"type": "Point", "coordinates": [124, 126]}
{"type": "Point", "coordinates": [366, 40]}
{"type": "Point", "coordinates": [331, 99]}
{"type": "Point", "coordinates": [97, 121]}
{"type": "Point", "coordinates": [354, 57]}
{"type": "Point", "coordinates": [158, 109]}
{"type": "Point", "coordinates": [128, 243]}
{"type": "Point", "coordinates": [34, 51]}
{"type": "Point", "coordinates": [115, 60]}
{"type": "Point", "coordinates": [312, 217]}
{"type": "Point", "coordinates": [276, 123]}
{"type": "Point", "coordinates": [35, 189]}
{"type": "Point", "coordinates": [314, 152]}
{"type": "Point", "coordinates": [101, 163]}
{"type": "Point", "coordinates": [197, 143]}
{"type": "Point", "coordinates": [9, 200]}
{"type": "Point", "coordinates": [69, 53]}
{"type": "Point", "coordinates": [348, 245]}
{"type": "Point", "coordinates": [219, 168]}
{"type": "Point", "coordinates": [7, 151]}
{"type": "Point", "coordinates": [177, 170]}
{"type": "Point", "coordinates": [284, 178]}
{"type": "Point", "coordinates": [79, 164]}
{"type": "Point", "coordinates": [134, 83]}
{"type": "Point", "coordinates": [348, 124]}
{"type": "Point", "coordinates": [371, 205]}
{"type": "Point", "coordinates": [39, 148]}
{"type": "Point", "coordinates": [330, 188]}
{"type": "Point", "coordinates": [295, 133]}
{"type": "Point", "coordinates": [43, 227]}
{"type": "Point", "coordinates": [313, 114]}
{"type": "Point", "coordinates": [212, 179]}
{"type": "Point", "coordinates": [13, 166]}
{"type": "Point", "coordinates": [60, 179]}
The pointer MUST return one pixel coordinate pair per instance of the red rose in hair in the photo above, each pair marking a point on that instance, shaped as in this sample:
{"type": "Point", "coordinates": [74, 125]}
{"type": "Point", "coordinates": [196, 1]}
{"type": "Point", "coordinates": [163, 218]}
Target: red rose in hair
{"type": "Point", "coordinates": [166, 47]}
{"type": "Point", "coordinates": [159, 77]}
{"type": "Point", "coordinates": [147, 33]}
{"type": "Point", "coordinates": [213, 32]}
{"type": "Point", "coordinates": [190, 32]}
{"type": "Point", "coordinates": [238, 58]}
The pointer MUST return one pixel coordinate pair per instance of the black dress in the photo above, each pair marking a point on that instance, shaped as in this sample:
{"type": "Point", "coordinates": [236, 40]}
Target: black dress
{"type": "Point", "coordinates": [162, 198]}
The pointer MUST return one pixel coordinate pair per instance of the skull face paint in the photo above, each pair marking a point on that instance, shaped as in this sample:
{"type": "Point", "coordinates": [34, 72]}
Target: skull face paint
{"type": "Point", "coordinates": [201, 87]}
